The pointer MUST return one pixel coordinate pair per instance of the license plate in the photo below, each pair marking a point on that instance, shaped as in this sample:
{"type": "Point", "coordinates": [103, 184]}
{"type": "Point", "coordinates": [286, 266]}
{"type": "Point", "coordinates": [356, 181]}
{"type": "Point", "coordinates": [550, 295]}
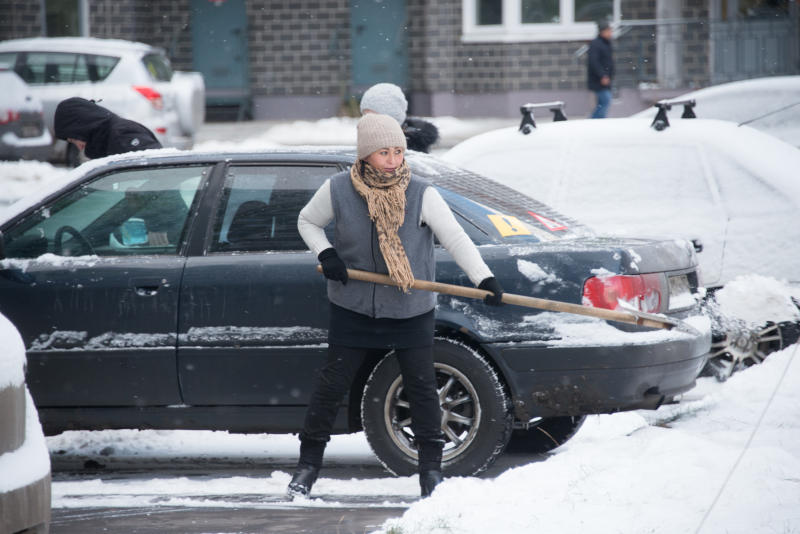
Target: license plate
{"type": "Point", "coordinates": [680, 294]}
{"type": "Point", "coordinates": [30, 130]}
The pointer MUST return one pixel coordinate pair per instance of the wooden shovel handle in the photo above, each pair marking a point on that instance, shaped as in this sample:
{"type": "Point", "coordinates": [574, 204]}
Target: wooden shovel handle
{"type": "Point", "coordinates": [642, 319]}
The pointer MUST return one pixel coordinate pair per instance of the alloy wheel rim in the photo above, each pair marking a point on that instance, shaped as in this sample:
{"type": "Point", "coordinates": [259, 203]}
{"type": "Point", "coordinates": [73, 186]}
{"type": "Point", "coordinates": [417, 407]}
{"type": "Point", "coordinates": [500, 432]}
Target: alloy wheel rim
{"type": "Point", "coordinates": [461, 413]}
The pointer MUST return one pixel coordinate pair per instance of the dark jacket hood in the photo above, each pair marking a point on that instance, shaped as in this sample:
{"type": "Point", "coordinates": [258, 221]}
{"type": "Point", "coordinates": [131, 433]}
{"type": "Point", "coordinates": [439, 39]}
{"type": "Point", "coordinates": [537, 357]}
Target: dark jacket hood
{"type": "Point", "coordinates": [78, 118]}
{"type": "Point", "coordinates": [104, 132]}
{"type": "Point", "coordinates": [420, 134]}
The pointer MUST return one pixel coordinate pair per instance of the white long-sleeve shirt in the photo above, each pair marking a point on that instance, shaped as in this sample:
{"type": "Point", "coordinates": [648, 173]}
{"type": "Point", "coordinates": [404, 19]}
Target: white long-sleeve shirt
{"type": "Point", "coordinates": [316, 215]}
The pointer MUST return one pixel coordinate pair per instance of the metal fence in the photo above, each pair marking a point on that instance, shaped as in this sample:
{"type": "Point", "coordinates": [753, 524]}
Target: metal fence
{"type": "Point", "coordinates": [700, 52]}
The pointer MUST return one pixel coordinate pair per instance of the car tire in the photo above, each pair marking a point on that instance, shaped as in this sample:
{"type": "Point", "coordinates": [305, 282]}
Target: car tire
{"type": "Point", "coordinates": [549, 433]}
{"type": "Point", "coordinates": [190, 99]}
{"type": "Point", "coordinates": [462, 375]}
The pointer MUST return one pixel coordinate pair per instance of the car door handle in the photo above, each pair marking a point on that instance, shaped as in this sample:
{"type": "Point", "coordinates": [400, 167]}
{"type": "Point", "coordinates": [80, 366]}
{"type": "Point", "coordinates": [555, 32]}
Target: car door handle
{"type": "Point", "coordinates": [146, 291]}
{"type": "Point", "coordinates": [147, 287]}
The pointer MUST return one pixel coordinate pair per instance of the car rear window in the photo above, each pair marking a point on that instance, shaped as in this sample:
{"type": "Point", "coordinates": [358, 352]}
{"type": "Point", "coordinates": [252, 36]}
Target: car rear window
{"type": "Point", "coordinates": [501, 213]}
{"type": "Point", "coordinates": [39, 68]}
{"type": "Point", "coordinates": [158, 67]}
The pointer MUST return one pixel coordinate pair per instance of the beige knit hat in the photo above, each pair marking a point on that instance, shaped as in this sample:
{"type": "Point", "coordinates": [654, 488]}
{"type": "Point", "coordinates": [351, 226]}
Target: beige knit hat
{"type": "Point", "coordinates": [377, 131]}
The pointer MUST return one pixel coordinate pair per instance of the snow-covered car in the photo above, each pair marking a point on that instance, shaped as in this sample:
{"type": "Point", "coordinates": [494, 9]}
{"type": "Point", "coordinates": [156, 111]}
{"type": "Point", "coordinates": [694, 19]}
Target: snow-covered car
{"type": "Point", "coordinates": [134, 80]}
{"type": "Point", "coordinates": [23, 134]}
{"type": "Point", "coordinates": [173, 290]}
{"type": "Point", "coordinates": [24, 458]}
{"type": "Point", "coordinates": [771, 105]}
{"type": "Point", "coordinates": [732, 190]}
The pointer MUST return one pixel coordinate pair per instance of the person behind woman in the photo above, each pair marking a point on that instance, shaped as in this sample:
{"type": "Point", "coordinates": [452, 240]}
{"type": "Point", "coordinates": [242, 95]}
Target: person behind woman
{"type": "Point", "coordinates": [388, 99]}
{"type": "Point", "coordinates": [98, 131]}
{"type": "Point", "coordinates": [385, 219]}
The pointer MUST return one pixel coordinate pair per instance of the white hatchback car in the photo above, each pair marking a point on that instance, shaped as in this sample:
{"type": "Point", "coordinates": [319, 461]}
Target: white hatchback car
{"type": "Point", "coordinates": [134, 80]}
{"type": "Point", "coordinates": [23, 134]}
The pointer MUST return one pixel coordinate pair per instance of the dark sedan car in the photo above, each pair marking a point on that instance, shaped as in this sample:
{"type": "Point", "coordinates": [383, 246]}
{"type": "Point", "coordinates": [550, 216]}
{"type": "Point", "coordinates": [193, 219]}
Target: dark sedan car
{"type": "Point", "coordinates": [172, 290]}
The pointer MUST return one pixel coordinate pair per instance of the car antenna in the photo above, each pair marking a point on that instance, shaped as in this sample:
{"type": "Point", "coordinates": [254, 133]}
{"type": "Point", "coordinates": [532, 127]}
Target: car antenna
{"type": "Point", "coordinates": [661, 122]}
{"type": "Point", "coordinates": [528, 124]}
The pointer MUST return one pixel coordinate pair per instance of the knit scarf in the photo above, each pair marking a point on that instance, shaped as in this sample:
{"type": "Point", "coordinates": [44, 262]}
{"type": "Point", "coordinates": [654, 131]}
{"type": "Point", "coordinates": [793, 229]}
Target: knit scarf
{"type": "Point", "coordinates": [385, 195]}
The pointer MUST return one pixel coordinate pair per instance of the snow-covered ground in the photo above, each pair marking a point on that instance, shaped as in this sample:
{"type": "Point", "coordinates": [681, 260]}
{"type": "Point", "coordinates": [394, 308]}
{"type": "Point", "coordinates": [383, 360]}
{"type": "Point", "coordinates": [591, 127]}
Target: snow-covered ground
{"type": "Point", "coordinates": [725, 459]}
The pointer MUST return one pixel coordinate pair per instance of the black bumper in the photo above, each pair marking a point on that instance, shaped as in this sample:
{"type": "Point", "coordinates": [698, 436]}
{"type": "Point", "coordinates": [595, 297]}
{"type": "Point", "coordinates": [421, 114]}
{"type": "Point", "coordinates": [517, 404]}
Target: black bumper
{"type": "Point", "coordinates": [550, 381]}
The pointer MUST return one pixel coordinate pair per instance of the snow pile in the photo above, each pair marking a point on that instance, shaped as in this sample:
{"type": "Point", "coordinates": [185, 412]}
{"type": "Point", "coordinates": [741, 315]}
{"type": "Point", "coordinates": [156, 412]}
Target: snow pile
{"type": "Point", "coordinates": [534, 273]}
{"type": "Point", "coordinates": [690, 467]}
{"type": "Point", "coordinates": [21, 178]}
{"type": "Point", "coordinates": [12, 356]}
{"type": "Point", "coordinates": [31, 462]}
{"type": "Point", "coordinates": [756, 299]}
{"type": "Point", "coordinates": [330, 131]}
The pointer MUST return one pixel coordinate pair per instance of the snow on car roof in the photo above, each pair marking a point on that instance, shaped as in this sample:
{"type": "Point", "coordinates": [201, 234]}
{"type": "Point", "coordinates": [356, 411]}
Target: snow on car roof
{"type": "Point", "coordinates": [761, 154]}
{"type": "Point", "coordinates": [732, 187]}
{"type": "Point", "coordinates": [770, 104]}
{"type": "Point", "coordinates": [77, 44]}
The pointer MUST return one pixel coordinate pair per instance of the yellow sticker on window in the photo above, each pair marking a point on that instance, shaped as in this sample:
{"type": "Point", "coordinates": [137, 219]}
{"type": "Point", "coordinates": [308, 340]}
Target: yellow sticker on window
{"type": "Point", "coordinates": [508, 225]}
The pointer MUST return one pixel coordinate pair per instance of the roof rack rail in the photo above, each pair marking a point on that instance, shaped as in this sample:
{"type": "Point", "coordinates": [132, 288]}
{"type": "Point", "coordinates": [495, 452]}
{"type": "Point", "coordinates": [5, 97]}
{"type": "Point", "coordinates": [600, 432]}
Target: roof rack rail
{"type": "Point", "coordinates": [661, 122]}
{"type": "Point", "coordinates": [528, 124]}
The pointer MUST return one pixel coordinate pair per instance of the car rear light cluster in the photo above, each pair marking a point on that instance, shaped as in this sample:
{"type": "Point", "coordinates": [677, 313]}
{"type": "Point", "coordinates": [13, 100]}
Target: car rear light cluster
{"type": "Point", "coordinates": [643, 292]}
{"type": "Point", "coordinates": [152, 96]}
{"type": "Point", "coordinates": [9, 116]}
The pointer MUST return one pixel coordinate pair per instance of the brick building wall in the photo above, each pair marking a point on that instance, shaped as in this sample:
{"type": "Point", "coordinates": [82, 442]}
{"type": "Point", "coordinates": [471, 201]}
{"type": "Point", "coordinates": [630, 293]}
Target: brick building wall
{"type": "Point", "coordinates": [696, 44]}
{"type": "Point", "coordinates": [163, 23]}
{"type": "Point", "coordinates": [20, 19]}
{"type": "Point", "coordinates": [300, 54]}
{"type": "Point", "coordinates": [299, 49]}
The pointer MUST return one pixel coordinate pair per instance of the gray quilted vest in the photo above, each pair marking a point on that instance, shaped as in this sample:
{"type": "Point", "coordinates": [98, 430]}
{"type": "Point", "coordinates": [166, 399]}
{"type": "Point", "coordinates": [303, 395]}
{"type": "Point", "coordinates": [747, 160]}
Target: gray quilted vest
{"type": "Point", "coordinates": [356, 242]}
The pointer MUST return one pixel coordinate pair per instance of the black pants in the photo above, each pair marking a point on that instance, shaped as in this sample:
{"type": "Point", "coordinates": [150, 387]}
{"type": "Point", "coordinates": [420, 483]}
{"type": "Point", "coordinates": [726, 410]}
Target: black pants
{"type": "Point", "coordinates": [334, 381]}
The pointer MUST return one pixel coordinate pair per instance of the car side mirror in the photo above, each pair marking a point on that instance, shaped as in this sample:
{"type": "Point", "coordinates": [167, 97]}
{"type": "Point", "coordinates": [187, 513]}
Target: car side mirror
{"type": "Point", "coordinates": [697, 244]}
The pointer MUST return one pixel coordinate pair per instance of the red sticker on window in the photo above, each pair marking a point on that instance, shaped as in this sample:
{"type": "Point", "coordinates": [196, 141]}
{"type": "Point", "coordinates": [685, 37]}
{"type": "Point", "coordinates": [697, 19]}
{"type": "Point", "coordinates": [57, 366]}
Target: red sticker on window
{"type": "Point", "coordinates": [550, 224]}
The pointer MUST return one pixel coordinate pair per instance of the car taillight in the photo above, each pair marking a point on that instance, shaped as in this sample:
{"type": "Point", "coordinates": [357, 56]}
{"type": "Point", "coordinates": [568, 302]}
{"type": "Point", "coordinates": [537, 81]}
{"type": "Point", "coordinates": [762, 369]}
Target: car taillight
{"type": "Point", "coordinates": [153, 96]}
{"type": "Point", "coordinates": [9, 116]}
{"type": "Point", "coordinates": [642, 292]}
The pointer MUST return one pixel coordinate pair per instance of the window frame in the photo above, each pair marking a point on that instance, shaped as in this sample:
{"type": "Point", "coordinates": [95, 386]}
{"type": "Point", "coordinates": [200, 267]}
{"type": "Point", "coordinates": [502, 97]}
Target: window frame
{"type": "Point", "coordinates": [513, 30]}
{"type": "Point", "coordinates": [41, 212]}
{"type": "Point", "coordinates": [216, 213]}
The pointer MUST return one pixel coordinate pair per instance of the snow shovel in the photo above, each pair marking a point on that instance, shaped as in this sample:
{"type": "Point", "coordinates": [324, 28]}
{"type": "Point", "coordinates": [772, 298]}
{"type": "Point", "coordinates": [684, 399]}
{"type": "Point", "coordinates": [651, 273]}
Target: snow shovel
{"type": "Point", "coordinates": [633, 317]}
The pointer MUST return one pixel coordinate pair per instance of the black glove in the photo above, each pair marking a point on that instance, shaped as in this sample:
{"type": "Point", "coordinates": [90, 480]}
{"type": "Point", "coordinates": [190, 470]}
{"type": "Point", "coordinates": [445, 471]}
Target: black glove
{"type": "Point", "coordinates": [332, 265]}
{"type": "Point", "coordinates": [491, 284]}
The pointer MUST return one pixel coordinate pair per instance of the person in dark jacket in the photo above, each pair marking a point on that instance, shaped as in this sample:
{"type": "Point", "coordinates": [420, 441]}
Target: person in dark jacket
{"type": "Point", "coordinates": [99, 132]}
{"type": "Point", "coordinates": [385, 220]}
{"type": "Point", "coordinates": [388, 99]}
{"type": "Point", "coordinates": [600, 69]}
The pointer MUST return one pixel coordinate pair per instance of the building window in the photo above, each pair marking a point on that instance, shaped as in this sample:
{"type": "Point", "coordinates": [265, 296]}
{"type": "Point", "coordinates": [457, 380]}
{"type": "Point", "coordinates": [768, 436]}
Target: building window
{"type": "Point", "coordinates": [489, 12]}
{"type": "Point", "coordinates": [535, 20]}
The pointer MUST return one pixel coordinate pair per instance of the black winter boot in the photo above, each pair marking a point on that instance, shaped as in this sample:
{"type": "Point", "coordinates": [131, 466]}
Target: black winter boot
{"type": "Point", "coordinates": [428, 480]}
{"type": "Point", "coordinates": [304, 477]}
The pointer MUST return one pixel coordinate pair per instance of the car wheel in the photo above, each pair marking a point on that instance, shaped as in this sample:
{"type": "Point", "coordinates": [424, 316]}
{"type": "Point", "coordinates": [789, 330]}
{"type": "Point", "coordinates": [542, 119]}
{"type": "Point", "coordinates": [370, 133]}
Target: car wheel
{"type": "Point", "coordinates": [545, 435]}
{"type": "Point", "coordinates": [476, 415]}
{"type": "Point", "coordinates": [744, 347]}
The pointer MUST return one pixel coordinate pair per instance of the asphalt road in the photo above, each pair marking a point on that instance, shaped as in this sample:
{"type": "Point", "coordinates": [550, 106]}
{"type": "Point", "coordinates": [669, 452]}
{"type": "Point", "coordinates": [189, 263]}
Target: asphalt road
{"type": "Point", "coordinates": [248, 513]}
